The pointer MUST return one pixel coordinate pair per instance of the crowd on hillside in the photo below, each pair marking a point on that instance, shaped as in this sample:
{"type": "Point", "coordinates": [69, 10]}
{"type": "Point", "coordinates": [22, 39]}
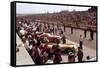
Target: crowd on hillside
{"type": "Point", "coordinates": [74, 18]}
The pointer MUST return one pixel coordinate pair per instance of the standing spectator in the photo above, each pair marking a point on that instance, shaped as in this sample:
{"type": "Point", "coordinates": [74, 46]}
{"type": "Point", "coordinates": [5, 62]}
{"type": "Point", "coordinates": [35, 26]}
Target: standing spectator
{"type": "Point", "coordinates": [80, 54]}
{"type": "Point", "coordinates": [85, 32]}
{"type": "Point", "coordinates": [71, 30]}
{"type": "Point", "coordinates": [27, 45]}
{"type": "Point", "coordinates": [91, 34]}
{"type": "Point", "coordinates": [22, 32]}
{"type": "Point", "coordinates": [57, 55]}
{"type": "Point", "coordinates": [37, 59]}
{"type": "Point", "coordinates": [43, 52]}
{"type": "Point", "coordinates": [63, 39]}
{"type": "Point", "coordinates": [61, 32]}
{"type": "Point", "coordinates": [81, 42]}
{"type": "Point", "coordinates": [33, 53]}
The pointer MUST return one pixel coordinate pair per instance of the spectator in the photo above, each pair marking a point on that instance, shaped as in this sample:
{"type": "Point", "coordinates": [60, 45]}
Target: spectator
{"type": "Point", "coordinates": [91, 34]}
{"type": "Point", "coordinates": [80, 54]}
{"type": "Point", "coordinates": [81, 42]}
{"type": "Point", "coordinates": [57, 55]}
{"type": "Point", "coordinates": [63, 39]}
{"type": "Point", "coordinates": [71, 30]}
{"type": "Point", "coordinates": [85, 32]}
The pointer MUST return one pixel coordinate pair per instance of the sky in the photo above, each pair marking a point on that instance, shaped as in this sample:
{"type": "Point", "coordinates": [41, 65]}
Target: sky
{"type": "Point", "coordinates": [28, 8]}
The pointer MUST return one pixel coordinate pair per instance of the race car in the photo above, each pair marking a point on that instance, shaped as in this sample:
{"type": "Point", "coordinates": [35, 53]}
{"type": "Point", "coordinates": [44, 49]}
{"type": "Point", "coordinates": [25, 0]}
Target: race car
{"type": "Point", "coordinates": [51, 38]}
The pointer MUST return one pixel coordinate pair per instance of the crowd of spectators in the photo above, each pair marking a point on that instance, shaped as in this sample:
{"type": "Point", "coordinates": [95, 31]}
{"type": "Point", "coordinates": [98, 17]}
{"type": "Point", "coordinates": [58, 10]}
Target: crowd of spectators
{"type": "Point", "coordinates": [67, 18]}
{"type": "Point", "coordinates": [30, 28]}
